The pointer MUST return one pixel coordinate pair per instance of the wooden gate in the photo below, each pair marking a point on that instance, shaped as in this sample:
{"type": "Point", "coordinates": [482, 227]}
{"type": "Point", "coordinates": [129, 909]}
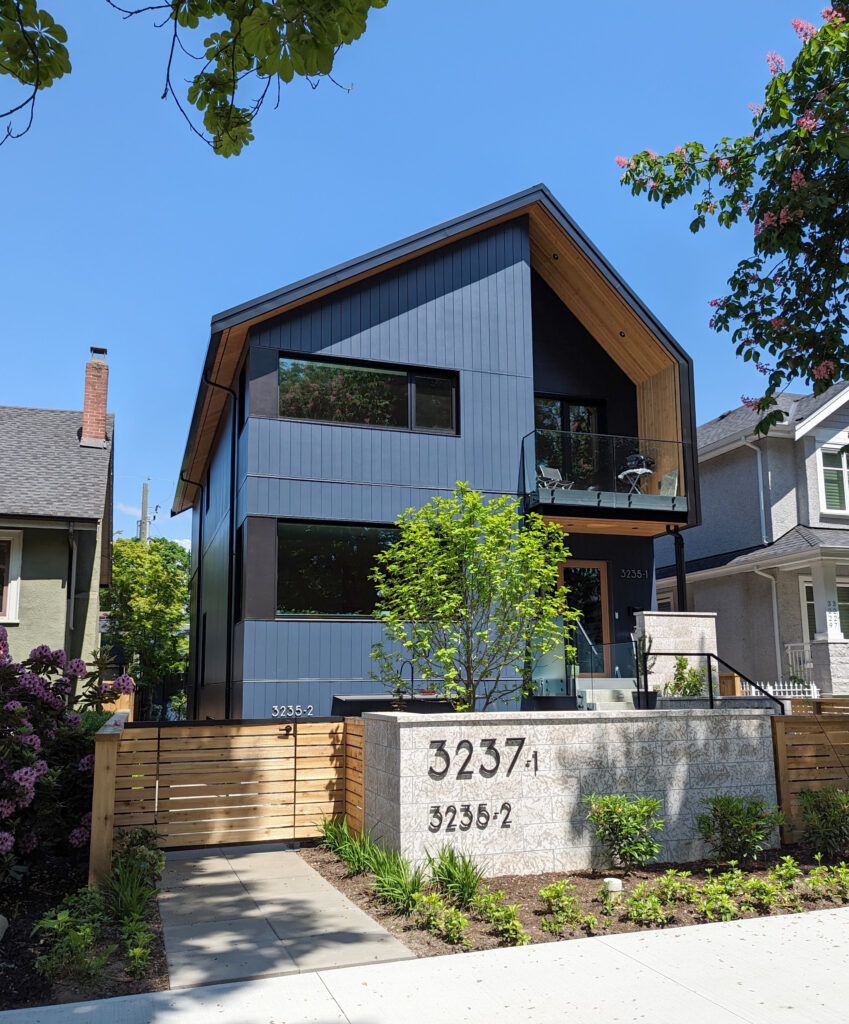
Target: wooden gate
{"type": "Point", "coordinates": [811, 752]}
{"type": "Point", "coordinates": [213, 783]}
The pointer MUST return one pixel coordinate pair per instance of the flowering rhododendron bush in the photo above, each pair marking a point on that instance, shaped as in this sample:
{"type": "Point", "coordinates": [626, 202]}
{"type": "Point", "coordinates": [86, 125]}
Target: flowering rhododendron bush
{"type": "Point", "coordinates": [786, 303]}
{"type": "Point", "coordinates": [46, 756]}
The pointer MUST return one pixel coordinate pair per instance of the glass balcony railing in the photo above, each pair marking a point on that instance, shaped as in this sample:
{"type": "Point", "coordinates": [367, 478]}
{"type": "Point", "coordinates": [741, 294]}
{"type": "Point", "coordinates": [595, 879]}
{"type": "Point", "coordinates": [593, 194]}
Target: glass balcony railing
{"type": "Point", "coordinates": [599, 676]}
{"type": "Point", "coordinates": [603, 471]}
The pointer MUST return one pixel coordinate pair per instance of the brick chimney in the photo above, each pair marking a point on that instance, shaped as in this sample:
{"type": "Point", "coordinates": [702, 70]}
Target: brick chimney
{"type": "Point", "coordinates": [94, 406]}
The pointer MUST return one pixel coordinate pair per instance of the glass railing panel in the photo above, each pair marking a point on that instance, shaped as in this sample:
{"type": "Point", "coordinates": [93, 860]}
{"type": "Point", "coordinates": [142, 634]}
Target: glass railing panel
{"type": "Point", "coordinates": [603, 471]}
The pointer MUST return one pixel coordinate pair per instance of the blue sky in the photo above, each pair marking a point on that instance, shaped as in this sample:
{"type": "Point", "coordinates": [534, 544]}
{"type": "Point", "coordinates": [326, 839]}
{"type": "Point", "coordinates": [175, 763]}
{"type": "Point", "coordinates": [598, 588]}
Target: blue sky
{"type": "Point", "coordinates": [121, 229]}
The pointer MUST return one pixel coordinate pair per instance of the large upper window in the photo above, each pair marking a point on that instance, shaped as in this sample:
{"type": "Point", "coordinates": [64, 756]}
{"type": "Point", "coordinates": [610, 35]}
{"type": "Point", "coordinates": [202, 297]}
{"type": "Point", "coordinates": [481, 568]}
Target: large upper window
{"type": "Point", "coordinates": [375, 396]}
{"type": "Point", "coordinates": [324, 568]}
{"type": "Point", "coordinates": [834, 476]}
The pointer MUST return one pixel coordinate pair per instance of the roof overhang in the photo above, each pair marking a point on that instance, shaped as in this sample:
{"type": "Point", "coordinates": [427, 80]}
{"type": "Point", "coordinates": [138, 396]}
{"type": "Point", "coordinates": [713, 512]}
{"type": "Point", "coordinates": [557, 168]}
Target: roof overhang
{"type": "Point", "coordinates": [560, 252]}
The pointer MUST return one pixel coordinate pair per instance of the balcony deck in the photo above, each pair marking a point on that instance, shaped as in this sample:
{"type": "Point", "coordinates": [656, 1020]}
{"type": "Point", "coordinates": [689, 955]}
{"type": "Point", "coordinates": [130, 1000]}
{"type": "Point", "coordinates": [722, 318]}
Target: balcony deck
{"type": "Point", "coordinates": [587, 472]}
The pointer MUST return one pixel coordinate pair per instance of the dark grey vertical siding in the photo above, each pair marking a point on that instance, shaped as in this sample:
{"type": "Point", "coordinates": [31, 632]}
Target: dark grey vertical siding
{"type": "Point", "coordinates": [466, 308]}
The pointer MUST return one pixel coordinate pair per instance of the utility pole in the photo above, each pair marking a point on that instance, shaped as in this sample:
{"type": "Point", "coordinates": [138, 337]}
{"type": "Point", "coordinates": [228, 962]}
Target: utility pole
{"type": "Point", "coordinates": [144, 524]}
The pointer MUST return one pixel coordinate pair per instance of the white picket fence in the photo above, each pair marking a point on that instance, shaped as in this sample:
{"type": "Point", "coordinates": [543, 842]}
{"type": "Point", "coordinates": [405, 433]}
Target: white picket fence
{"type": "Point", "coordinates": [795, 688]}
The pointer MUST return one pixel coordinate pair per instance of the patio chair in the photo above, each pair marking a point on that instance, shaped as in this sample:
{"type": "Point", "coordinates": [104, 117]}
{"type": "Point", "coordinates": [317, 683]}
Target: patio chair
{"type": "Point", "coordinates": [669, 484]}
{"type": "Point", "coordinates": [548, 476]}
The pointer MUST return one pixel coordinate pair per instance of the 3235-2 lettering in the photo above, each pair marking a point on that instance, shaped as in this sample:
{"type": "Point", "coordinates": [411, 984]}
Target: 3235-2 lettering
{"type": "Point", "coordinates": [447, 816]}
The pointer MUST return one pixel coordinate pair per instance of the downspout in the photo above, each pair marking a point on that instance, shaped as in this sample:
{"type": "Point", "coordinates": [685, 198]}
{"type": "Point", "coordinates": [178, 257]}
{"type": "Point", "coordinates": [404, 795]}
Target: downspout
{"type": "Point", "coordinates": [759, 453]}
{"type": "Point", "coordinates": [228, 669]}
{"type": "Point", "coordinates": [198, 606]}
{"type": "Point", "coordinates": [72, 581]}
{"type": "Point", "coordinates": [774, 589]}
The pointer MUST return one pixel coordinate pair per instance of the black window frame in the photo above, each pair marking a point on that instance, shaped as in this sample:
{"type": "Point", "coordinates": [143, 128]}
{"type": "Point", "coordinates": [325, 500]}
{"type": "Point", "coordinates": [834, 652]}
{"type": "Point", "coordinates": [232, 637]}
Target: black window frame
{"type": "Point", "coordinates": [367, 364]}
{"type": "Point", "coordinates": [320, 616]}
{"type": "Point", "coordinates": [567, 401]}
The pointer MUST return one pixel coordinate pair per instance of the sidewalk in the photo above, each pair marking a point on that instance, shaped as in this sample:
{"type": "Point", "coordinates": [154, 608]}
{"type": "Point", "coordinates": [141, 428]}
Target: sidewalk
{"type": "Point", "coordinates": [776, 970]}
{"type": "Point", "coordinates": [240, 912]}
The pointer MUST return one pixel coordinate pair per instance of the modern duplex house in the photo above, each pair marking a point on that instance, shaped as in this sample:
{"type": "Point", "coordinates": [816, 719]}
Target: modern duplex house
{"type": "Point", "coordinates": [499, 348]}
{"type": "Point", "coordinates": [56, 519]}
{"type": "Point", "coordinates": [771, 557]}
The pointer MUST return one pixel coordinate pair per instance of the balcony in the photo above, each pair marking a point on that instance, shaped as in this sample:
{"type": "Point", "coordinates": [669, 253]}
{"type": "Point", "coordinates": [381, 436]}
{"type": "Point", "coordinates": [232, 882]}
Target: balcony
{"type": "Point", "coordinates": [593, 471]}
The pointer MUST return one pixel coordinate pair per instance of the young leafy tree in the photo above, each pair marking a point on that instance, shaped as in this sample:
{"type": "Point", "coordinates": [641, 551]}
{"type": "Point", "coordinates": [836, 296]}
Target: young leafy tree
{"type": "Point", "coordinates": [237, 52]}
{"type": "Point", "coordinates": [148, 605]}
{"type": "Point", "coordinates": [468, 591]}
{"type": "Point", "coordinates": [789, 179]}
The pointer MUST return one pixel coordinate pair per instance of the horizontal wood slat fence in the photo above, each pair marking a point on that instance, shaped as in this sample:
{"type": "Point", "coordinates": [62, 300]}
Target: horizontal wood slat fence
{"type": "Point", "coordinates": [811, 752]}
{"type": "Point", "coordinates": [821, 705]}
{"type": "Point", "coordinates": [212, 783]}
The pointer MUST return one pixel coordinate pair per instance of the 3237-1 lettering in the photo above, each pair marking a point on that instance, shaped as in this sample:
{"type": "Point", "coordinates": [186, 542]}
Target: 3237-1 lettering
{"type": "Point", "coordinates": [490, 762]}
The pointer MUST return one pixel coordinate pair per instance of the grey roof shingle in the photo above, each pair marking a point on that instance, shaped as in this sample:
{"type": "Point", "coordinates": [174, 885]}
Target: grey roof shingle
{"type": "Point", "coordinates": [799, 539]}
{"type": "Point", "coordinates": [739, 421]}
{"type": "Point", "coordinates": [43, 469]}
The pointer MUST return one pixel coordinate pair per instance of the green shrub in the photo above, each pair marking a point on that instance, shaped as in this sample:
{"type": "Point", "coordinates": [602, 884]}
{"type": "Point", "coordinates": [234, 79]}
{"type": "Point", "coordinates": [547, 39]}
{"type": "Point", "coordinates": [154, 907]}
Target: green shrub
{"type": "Point", "coordinates": [139, 846]}
{"type": "Point", "coordinates": [713, 902]}
{"type": "Point", "coordinates": [686, 681]}
{"type": "Point", "coordinates": [826, 816]}
{"type": "Point", "coordinates": [624, 827]}
{"type": "Point", "coordinates": [674, 887]}
{"type": "Point", "coordinates": [129, 891]}
{"type": "Point", "coordinates": [829, 882]}
{"type": "Point", "coordinates": [397, 882]}
{"type": "Point", "coordinates": [137, 938]}
{"type": "Point", "coordinates": [644, 906]}
{"type": "Point", "coordinates": [457, 875]}
{"type": "Point", "coordinates": [441, 919]}
{"type": "Point", "coordinates": [609, 900]}
{"type": "Point", "coordinates": [737, 827]}
{"type": "Point", "coordinates": [69, 938]}
{"type": "Point", "coordinates": [503, 917]}
{"type": "Point", "coordinates": [334, 833]}
{"type": "Point", "coordinates": [564, 910]}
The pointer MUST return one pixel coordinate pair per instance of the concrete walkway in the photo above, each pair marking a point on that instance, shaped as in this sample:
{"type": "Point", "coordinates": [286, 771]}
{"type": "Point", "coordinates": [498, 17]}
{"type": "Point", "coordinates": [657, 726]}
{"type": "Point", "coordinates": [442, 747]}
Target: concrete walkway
{"type": "Point", "coordinates": [779, 970]}
{"type": "Point", "coordinates": [243, 912]}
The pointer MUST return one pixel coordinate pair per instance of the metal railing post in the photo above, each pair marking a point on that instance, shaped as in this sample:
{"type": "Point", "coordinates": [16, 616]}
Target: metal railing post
{"type": "Point", "coordinates": [710, 682]}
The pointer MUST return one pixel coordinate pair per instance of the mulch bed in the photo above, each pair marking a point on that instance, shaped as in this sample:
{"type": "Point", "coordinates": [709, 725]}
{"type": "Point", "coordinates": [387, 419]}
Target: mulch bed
{"type": "Point", "coordinates": [524, 890]}
{"type": "Point", "coordinates": [42, 888]}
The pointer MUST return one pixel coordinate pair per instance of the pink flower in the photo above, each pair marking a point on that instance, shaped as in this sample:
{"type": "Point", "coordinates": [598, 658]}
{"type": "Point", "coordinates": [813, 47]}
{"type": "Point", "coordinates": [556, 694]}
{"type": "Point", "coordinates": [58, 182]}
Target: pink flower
{"type": "Point", "coordinates": [76, 667]}
{"type": "Point", "coordinates": [32, 740]}
{"type": "Point", "coordinates": [775, 62]}
{"type": "Point", "coordinates": [124, 684]}
{"type": "Point", "coordinates": [763, 368]}
{"type": "Point", "coordinates": [807, 121]}
{"type": "Point", "coordinates": [769, 220]}
{"type": "Point", "coordinates": [750, 403]}
{"type": "Point", "coordinates": [756, 108]}
{"type": "Point", "coordinates": [7, 841]}
{"type": "Point", "coordinates": [821, 95]}
{"type": "Point", "coordinates": [621, 161]}
{"type": "Point", "coordinates": [778, 322]}
{"type": "Point", "coordinates": [79, 837]}
{"type": "Point", "coordinates": [73, 719]}
{"type": "Point", "coordinates": [797, 180]}
{"type": "Point", "coordinates": [12, 705]}
{"type": "Point", "coordinates": [652, 184]}
{"type": "Point", "coordinates": [829, 14]}
{"type": "Point", "coordinates": [825, 369]}
{"type": "Point", "coordinates": [680, 151]}
{"type": "Point", "coordinates": [40, 768]}
{"type": "Point", "coordinates": [717, 303]}
{"type": "Point", "coordinates": [652, 154]}
{"type": "Point", "coordinates": [7, 808]}
{"type": "Point", "coordinates": [804, 29]}
{"type": "Point", "coordinates": [723, 164]}
{"type": "Point", "coordinates": [86, 763]}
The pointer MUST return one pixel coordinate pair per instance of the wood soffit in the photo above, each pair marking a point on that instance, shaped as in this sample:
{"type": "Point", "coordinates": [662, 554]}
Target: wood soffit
{"type": "Point", "coordinates": [581, 285]}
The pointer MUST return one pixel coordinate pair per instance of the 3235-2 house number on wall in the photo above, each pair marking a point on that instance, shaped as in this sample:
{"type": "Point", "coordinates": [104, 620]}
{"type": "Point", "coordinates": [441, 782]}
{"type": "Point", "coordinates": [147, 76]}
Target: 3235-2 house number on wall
{"type": "Point", "coordinates": [489, 763]}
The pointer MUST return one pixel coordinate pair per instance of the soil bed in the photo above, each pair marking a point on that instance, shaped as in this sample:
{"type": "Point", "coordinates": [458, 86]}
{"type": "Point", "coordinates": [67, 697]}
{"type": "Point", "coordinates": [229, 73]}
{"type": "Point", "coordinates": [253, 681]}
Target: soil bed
{"type": "Point", "coordinates": [24, 903]}
{"type": "Point", "coordinates": [524, 890]}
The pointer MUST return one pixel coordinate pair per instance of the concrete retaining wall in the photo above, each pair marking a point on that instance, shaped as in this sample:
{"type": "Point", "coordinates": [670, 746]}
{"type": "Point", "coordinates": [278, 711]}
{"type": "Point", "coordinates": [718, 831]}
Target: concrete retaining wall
{"type": "Point", "coordinates": [508, 787]}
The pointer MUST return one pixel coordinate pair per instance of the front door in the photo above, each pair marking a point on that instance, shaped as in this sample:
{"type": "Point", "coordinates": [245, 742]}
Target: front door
{"type": "Point", "coordinates": [588, 594]}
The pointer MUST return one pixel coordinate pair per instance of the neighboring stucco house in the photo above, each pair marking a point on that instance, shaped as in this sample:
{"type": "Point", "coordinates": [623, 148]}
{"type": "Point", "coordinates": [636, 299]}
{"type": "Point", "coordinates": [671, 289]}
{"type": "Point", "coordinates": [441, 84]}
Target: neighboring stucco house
{"type": "Point", "coordinates": [771, 557]}
{"type": "Point", "coordinates": [56, 519]}
{"type": "Point", "coordinates": [499, 349]}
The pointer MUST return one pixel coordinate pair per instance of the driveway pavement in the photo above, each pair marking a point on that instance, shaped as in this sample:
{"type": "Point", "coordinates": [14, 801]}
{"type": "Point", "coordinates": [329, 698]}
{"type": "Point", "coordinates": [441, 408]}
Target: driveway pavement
{"type": "Point", "coordinates": [792, 969]}
{"type": "Point", "coordinates": [236, 913]}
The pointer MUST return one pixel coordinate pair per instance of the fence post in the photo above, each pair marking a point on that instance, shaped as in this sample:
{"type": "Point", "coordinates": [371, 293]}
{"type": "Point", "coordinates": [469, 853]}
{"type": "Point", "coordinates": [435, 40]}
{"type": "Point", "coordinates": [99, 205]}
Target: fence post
{"type": "Point", "coordinates": [710, 681]}
{"type": "Point", "coordinates": [106, 743]}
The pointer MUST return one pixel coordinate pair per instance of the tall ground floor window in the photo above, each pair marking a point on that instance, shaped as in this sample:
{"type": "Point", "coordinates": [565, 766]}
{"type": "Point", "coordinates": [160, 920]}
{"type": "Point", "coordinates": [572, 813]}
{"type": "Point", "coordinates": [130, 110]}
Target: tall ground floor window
{"type": "Point", "coordinates": [587, 583]}
{"type": "Point", "coordinates": [324, 568]}
{"type": "Point", "coordinates": [809, 621]}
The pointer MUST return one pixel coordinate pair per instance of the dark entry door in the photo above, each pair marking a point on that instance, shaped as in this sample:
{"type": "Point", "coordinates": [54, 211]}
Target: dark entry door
{"type": "Point", "coordinates": [587, 583]}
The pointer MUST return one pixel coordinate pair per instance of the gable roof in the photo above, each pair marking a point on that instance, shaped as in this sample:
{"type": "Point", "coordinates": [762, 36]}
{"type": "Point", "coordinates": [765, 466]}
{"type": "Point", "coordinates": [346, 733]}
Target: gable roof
{"type": "Point", "coordinates": [644, 346]}
{"type": "Point", "coordinates": [802, 413]}
{"type": "Point", "coordinates": [799, 540]}
{"type": "Point", "coordinates": [44, 471]}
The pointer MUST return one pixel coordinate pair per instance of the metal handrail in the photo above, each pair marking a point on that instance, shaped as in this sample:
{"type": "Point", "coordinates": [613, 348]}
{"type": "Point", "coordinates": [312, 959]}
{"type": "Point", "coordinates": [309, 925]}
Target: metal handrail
{"type": "Point", "coordinates": [719, 661]}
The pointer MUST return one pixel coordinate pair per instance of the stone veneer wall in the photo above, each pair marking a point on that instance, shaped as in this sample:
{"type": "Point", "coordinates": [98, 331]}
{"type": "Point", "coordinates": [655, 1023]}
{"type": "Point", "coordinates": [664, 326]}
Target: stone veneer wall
{"type": "Point", "coordinates": [679, 756]}
{"type": "Point", "coordinates": [677, 633]}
